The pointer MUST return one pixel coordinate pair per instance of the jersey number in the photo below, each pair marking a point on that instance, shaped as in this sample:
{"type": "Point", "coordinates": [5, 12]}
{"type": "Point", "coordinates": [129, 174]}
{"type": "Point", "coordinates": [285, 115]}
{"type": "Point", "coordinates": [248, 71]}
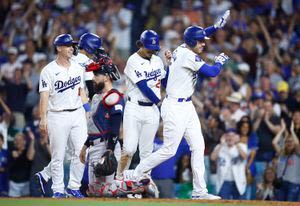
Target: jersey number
{"type": "Point", "coordinates": [157, 85]}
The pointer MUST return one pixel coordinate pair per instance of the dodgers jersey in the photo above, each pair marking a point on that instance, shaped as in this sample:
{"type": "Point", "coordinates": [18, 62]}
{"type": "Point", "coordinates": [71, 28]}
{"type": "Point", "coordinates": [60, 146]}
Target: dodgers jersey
{"type": "Point", "coordinates": [137, 69]}
{"type": "Point", "coordinates": [83, 60]}
{"type": "Point", "coordinates": [183, 72]}
{"type": "Point", "coordinates": [63, 85]}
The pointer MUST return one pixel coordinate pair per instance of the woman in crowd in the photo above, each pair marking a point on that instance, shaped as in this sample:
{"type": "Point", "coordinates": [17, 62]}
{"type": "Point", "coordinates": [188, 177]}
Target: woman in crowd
{"type": "Point", "coordinates": [286, 145]}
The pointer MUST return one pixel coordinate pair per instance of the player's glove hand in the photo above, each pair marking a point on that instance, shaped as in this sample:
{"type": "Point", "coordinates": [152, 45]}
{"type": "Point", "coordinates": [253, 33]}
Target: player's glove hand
{"type": "Point", "coordinates": [221, 58]}
{"type": "Point", "coordinates": [222, 21]}
{"type": "Point", "coordinates": [107, 165]}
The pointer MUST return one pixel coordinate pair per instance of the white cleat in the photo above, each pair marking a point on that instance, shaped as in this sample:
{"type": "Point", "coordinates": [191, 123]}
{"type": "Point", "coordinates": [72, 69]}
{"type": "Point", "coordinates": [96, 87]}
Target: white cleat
{"type": "Point", "coordinates": [206, 196]}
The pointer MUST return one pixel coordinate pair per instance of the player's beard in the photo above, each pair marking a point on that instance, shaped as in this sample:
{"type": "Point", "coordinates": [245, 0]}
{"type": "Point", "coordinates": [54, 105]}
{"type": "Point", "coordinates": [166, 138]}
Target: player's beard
{"type": "Point", "coordinates": [98, 87]}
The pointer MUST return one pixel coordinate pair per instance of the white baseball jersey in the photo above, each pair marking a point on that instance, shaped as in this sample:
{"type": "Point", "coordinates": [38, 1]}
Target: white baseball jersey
{"type": "Point", "coordinates": [83, 60]}
{"type": "Point", "coordinates": [62, 83]}
{"type": "Point", "coordinates": [183, 72]}
{"type": "Point", "coordinates": [137, 69]}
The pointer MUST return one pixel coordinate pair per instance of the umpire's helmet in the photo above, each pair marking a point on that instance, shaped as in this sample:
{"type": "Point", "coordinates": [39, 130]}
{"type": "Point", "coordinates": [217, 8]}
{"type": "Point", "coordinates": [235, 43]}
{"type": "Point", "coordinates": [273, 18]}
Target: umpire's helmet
{"type": "Point", "coordinates": [91, 43]}
{"type": "Point", "coordinates": [64, 40]}
{"type": "Point", "coordinates": [193, 34]}
{"type": "Point", "coordinates": [150, 40]}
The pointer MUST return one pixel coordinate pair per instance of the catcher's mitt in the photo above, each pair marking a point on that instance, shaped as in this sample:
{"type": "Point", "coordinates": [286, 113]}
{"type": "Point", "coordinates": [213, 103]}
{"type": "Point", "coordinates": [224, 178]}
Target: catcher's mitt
{"type": "Point", "coordinates": [107, 166]}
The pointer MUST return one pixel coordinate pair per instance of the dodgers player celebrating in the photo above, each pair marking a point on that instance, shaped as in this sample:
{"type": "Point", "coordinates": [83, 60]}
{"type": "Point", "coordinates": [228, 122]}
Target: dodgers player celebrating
{"type": "Point", "coordinates": [143, 73]}
{"type": "Point", "coordinates": [62, 115]}
{"type": "Point", "coordinates": [178, 112]}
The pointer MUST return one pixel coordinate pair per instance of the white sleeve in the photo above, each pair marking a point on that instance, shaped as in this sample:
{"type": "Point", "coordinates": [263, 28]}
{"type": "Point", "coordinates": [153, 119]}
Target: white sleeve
{"type": "Point", "coordinates": [45, 81]}
{"type": "Point", "coordinates": [163, 71]}
{"type": "Point", "coordinates": [193, 62]}
{"type": "Point", "coordinates": [133, 73]}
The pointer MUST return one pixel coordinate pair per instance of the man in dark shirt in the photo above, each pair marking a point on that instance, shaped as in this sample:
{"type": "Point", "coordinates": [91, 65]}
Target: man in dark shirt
{"type": "Point", "coordinates": [266, 125]}
{"type": "Point", "coordinates": [19, 167]}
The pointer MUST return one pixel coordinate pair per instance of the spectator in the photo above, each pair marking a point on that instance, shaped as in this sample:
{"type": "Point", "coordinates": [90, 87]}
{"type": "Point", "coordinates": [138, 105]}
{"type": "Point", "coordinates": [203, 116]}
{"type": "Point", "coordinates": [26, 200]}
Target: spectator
{"type": "Point", "coordinates": [8, 69]}
{"type": "Point", "coordinates": [41, 158]}
{"type": "Point", "coordinates": [17, 90]}
{"type": "Point", "coordinates": [235, 113]}
{"type": "Point", "coordinates": [266, 125]}
{"type": "Point", "coordinates": [231, 157]}
{"type": "Point", "coordinates": [296, 121]}
{"type": "Point", "coordinates": [19, 167]}
{"type": "Point", "coordinates": [265, 190]}
{"type": "Point", "coordinates": [288, 184]}
{"type": "Point", "coordinates": [3, 168]}
{"type": "Point", "coordinates": [249, 138]}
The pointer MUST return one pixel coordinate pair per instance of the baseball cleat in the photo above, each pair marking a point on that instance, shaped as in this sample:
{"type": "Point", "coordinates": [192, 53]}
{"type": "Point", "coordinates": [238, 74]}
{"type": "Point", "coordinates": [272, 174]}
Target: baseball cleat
{"type": "Point", "coordinates": [74, 193]}
{"type": "Point", "coordinates": [206, 196]}
{"type": "Point", "coordinates": [59, 195]}
{"type": "Point", "coordinates": [41, 182]}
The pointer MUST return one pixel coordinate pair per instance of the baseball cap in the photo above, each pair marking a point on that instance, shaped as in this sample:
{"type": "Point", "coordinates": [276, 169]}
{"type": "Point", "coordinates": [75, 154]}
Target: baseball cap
{"type": "Point", "coordinates": [282, 86]}
{"type": "Point", "coordinates": [257, 95]}
{"type": "Point", "coordinates": [12, 50]}
{"type": "Point", "coordinates": [231, 130]}
{"type": "Point", "coordinates": [235, 97]}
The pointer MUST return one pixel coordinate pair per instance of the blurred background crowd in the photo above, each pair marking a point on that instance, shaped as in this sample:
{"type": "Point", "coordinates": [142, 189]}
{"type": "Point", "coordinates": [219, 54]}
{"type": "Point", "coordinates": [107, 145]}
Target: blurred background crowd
{"type": "Point", "coordinates": [250, 114]}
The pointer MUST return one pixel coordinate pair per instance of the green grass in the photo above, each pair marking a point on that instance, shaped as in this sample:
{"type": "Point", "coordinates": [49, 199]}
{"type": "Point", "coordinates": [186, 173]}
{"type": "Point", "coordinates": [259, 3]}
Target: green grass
{"type": "Point", "coordinates": [123, 202]}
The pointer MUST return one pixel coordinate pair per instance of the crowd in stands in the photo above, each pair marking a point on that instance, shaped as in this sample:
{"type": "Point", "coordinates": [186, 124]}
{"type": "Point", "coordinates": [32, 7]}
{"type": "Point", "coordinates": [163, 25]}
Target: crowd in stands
{"type": "Point", "coordinates": [250, 113]}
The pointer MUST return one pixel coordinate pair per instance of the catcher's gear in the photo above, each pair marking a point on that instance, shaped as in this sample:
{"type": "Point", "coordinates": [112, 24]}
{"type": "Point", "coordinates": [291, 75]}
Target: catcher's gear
{"type": "Point", "coordinates": [221, 58]}
{"type": "Point", "coordinates": [222, 21]}
{"type": "Point", "coordinates": [64, 40]}
{"type": "Point", "coordinates": [107, 166]}
{"type": "Point", "coordinates": [104, 65]}
{"type": "Point", "coordinates": [193, 34]}
{"type": "Point", "coordinates": [150, 40]}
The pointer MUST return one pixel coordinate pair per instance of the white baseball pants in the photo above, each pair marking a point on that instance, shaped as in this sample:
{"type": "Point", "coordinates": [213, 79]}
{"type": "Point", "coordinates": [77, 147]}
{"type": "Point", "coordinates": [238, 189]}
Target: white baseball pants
{"type": "Point", "coordinates": [140, 124]}
{"type": "Point", "coordinates": [64, 126]}
{"type": "Point", "coordinates": [179, 119]}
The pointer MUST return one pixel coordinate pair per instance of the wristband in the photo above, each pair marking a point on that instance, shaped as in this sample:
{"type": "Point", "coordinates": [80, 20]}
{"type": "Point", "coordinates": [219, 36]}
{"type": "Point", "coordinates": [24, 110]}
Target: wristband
{"type": "Point", "coordinates": [87, 107]}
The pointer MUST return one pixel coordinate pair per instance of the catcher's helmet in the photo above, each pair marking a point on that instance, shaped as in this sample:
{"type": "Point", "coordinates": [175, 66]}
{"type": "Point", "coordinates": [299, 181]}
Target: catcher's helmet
{"type": "Point", "coordinates": [193, 34]}
{"type": "Point", "coordinates": [150, 40]}
{"type": "Point", "coordinates": [90, 42]}
{"type": "Point", "coordinates": [64, 40]}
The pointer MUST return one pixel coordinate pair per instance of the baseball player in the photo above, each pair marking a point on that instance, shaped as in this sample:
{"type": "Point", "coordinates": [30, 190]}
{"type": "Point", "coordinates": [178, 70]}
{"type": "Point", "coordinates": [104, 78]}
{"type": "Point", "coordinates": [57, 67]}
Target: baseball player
{"type": "Point", "coordinates": [144, 71]}
{"type": "Point", "coordinates": [63, 116]}
{"type": "Point", "coordinates": [178, 112]}
{"type": "Point", "coordinates": [82, 59]}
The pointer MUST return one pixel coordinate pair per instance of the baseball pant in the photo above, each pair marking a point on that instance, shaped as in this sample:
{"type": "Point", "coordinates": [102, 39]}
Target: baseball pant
{"type": "Point", "coordinates": [179, 119]}
{"type": "Point", "coordinates": [64, 127]}
{"type": "Point", "coordinates": [140, 124]}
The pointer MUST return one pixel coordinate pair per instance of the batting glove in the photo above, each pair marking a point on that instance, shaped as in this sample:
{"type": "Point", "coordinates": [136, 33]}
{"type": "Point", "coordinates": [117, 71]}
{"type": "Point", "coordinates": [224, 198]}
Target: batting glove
{"type": "Point", "coordinates": [222, 21]}
{"type": "Point", "coordinates": [221, 58]}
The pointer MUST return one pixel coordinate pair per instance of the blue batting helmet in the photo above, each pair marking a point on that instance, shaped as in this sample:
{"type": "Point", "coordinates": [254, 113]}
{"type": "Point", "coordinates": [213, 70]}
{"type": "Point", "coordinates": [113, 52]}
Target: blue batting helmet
{"type": "Point", "coordinates": [90, 43]}
{"type": "Point", "coordinates": [193, 34]}
{"type": "Point", "coordinates": [64, 40]}
{"type": "Point", "coordinates": [150, 40]}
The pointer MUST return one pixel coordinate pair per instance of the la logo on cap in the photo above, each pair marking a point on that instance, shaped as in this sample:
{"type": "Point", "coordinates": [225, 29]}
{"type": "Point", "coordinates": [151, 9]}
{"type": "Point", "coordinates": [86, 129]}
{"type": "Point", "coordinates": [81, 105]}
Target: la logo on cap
{"type": "Point", "coordinates": [153, 41]}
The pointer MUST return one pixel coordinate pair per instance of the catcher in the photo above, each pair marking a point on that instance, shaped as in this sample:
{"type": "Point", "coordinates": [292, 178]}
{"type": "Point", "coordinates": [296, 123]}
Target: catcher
{"type": "Point", "coordinates": [103, 127]}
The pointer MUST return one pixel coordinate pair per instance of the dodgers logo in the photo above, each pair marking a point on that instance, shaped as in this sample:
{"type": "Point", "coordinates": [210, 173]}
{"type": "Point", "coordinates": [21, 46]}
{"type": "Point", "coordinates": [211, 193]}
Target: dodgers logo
{"type": "Point", "coordinates": [61, 86]}
{"type": "Point", "coordinates": [154, 74]}
{"type": "Point", "coordinates": [137, 73]}
{"type": "Point", "coordinates": [44, 84]}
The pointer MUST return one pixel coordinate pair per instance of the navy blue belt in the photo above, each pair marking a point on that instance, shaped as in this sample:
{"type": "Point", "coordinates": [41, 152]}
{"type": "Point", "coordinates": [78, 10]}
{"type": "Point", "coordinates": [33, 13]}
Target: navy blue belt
{"type": "Point", "coordinates": [69, 110]}
{"type": "Point", "coordinates": [182, 99]}
{"type": "Point", "coordinates": [146, 104]}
